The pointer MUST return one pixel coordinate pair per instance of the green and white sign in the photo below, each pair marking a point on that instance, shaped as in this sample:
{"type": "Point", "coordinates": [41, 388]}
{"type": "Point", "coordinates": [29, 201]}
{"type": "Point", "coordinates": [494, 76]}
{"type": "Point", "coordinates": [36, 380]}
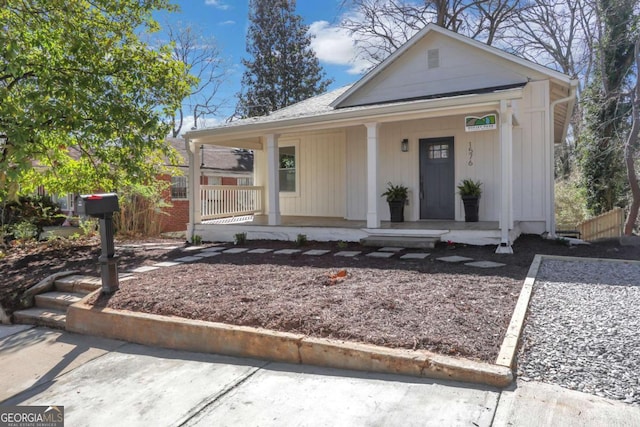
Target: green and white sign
{"type": "Point", "coordinates": [474, 124]}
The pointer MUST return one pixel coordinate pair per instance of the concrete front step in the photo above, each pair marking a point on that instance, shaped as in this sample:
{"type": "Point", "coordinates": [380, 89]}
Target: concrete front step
{"type": "Point", "coordinates": [78, 284]}
{"type": "Point", "coordinates": [414, 242]}
{"type": "Point", "coordinates": [42, 317]}
{"type": "Point", "coordinates": [57, 300]}
{"type": "Point", "coordinates": [51, 307]}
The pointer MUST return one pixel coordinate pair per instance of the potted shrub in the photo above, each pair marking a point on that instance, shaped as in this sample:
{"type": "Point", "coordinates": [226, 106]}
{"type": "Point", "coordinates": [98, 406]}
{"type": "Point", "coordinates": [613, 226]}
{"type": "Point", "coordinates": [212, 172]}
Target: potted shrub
{"type": "Point", "coordinates": [470, 192]}
{"type": "Point", "coordinates": [396, 196]}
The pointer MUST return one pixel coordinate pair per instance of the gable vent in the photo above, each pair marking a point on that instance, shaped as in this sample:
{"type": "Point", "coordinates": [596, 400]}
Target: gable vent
{"type": "Point", "coordinates": [433, 58]}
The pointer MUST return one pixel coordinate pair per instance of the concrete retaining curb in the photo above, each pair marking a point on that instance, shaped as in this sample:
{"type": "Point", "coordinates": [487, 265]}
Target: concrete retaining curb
{"type": "Point", "coordinates": [507, 355]}
{"type": "Point", "coordinates": [209, 337]}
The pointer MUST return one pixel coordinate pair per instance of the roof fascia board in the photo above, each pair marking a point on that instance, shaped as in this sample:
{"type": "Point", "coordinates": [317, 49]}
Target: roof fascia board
{"type": "Point", "coordinates": [556, 75]}
{"type": "Point", "coordinates": [342, 118]}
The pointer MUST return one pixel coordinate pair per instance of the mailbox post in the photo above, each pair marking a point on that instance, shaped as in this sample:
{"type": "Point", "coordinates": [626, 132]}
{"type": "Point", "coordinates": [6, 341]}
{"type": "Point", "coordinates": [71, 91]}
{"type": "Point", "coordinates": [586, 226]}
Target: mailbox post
{"type": "Point", "coordinates": [102, 206]}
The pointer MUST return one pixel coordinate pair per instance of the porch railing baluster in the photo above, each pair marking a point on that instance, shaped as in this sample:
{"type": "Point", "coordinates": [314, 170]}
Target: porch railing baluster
{"type": "Point", "coordinates": [220, 201]}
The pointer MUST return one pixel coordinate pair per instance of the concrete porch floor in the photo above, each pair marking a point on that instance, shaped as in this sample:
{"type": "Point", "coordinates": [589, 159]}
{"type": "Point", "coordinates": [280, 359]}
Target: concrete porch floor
{"type": "Point", "coordinates": [334, 229]}
{"type": "Point", "coordinates": [332, 222]}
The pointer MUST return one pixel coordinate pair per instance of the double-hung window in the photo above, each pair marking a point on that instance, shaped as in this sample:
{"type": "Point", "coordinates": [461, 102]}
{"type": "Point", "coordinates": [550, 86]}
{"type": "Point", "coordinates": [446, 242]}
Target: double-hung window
{"type": "Point", "coordinates": [287, 168]}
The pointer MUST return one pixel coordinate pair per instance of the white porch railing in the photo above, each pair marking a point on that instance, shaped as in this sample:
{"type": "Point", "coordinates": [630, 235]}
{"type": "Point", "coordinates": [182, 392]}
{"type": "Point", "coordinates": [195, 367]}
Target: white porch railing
{"type": "Point", "coordinates": [220, 201]}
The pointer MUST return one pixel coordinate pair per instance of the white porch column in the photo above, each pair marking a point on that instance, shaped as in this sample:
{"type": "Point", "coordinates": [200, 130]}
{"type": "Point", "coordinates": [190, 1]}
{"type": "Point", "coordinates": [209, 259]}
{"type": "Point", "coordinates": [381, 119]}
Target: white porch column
{"type": "Point", "coordinates": [273, 180]}
{"type": "Point", "coordinates": [373, 192]}
{"type": "Point", "coordinates": [193, 188]}
{"type": "Point", "coordinates": [506, 174]}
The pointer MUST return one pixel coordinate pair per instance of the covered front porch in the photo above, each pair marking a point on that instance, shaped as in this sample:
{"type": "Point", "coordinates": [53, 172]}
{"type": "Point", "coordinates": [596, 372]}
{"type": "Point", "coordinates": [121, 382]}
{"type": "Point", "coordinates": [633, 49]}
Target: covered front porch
{"type": "Point", "coordinates": [341, 164]}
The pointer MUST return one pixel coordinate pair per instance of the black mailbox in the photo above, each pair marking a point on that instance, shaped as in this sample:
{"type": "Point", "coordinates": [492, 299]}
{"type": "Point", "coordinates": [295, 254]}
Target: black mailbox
{"type": "Point", "coordinates": [103, 206]}
{"type": "Point", "coordinates": [98, 205]}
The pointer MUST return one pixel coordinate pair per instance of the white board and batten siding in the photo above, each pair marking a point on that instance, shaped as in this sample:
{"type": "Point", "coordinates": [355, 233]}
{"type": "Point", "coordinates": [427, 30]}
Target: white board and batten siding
{"type": "Point", "coordinates": [531, 146]}
{"type": "Point", "coordinates": [320, 168]}
{"type": "Point", "coordinates": [403, 168]}
{"type": "Point", "coordinates": [459, 67]}
{"type": "Point", "coordinates": [530, 141]}
{"type": "Point", "coordinates": [332, 165]}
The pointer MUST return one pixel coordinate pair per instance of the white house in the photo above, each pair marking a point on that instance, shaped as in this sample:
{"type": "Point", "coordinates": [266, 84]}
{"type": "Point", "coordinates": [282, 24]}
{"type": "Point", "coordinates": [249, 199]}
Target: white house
{"type": "Point", "coordinates": [322, 164]}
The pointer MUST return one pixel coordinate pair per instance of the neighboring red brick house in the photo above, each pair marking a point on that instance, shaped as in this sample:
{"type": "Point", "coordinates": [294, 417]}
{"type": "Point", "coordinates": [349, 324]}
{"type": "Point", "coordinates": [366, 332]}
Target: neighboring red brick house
{"type": "Point", "coordinates": [220, 166]}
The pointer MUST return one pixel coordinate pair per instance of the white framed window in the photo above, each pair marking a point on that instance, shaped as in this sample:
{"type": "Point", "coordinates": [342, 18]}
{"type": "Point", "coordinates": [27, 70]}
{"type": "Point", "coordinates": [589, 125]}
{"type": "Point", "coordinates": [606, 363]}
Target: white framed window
{"type": "Point", "coordinates": [245, 181]}
{"type": "Point", "coordinates": [178, 187]}
{"type": "Point", "coordinates": [287, 168]}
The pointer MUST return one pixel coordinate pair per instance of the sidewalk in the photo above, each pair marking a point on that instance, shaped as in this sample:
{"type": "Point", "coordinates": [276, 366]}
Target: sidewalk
{"type": "Point", "coordinates": [107, 382]}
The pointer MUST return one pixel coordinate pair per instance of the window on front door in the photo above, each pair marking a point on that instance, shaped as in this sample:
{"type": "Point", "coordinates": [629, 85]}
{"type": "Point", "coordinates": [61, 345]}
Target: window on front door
{"type": "Point", "coordinates": [287, 169]}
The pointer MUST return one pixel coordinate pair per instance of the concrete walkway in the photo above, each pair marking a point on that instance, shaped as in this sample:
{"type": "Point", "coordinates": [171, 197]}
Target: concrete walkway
{"type": "Point", "coordinates": [106, 382]}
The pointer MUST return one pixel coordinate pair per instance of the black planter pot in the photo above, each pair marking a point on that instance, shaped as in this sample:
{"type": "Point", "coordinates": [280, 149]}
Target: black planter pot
{"type": "Point", "coordinates": [396, 207]}
{"type": "Point", "coordinates": [471, 205]}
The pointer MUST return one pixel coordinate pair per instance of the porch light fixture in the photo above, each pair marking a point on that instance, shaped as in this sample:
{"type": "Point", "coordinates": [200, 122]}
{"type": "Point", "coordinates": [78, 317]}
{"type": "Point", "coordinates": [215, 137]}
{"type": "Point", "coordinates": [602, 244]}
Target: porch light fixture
{"type": "Point", "coordinates": [404, 145]}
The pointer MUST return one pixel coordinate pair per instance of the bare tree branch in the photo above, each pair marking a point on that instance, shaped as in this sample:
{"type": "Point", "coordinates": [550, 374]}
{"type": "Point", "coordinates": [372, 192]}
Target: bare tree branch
{"type": "Point", "coordinates": [204, 63]}
{"type": "Point", "coordinates": [381, 26]}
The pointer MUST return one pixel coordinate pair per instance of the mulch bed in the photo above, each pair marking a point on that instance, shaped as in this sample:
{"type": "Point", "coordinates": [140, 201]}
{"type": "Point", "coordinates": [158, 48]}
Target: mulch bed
{"type": "Point", "coordinates": [424, 304]}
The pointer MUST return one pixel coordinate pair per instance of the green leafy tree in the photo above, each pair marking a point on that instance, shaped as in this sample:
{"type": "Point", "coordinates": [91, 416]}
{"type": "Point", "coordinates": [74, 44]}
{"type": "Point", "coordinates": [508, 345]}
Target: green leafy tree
{"type": "Point", "coordinates": [606, 106]}
{"type": "Point", "coordinates": [82, 97]}
{"type": "Point", "coordinates": [282, 69]}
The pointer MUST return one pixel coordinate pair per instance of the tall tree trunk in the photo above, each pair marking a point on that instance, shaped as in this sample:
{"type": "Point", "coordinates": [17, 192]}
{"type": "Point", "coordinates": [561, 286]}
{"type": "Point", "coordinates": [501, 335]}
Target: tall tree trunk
{"type": "Point", "coordinates": [630, 151]}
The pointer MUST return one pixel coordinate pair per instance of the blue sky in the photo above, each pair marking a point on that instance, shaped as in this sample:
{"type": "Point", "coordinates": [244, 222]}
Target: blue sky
{"type": "Point", "coordinates": [226, 20]}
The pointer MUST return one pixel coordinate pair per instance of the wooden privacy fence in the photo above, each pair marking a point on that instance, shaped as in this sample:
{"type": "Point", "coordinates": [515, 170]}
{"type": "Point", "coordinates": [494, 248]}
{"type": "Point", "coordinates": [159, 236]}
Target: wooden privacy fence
{"type": "Point", "coordinates": [608, 224]}
{"type": "Point", "coordinates": [220, 201]}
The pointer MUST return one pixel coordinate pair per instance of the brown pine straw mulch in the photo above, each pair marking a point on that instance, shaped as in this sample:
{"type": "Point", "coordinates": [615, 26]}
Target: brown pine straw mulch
{"type": "Point", "coordinates": [424, 304]}
{"type": "Point", "coordinates": [451, 309]}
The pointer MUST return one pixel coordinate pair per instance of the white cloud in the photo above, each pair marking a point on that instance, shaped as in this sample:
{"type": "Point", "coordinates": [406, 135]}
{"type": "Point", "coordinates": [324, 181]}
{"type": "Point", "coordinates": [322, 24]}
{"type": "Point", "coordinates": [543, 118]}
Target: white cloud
{"type": "Point", "coordinates": [229, 22]}
{"type": "Point", "coordinates": [217, 3]}
{"type": "Point", "coordinates": [334, 45]}
{"type": "Point", "coordinates": [203, 122]}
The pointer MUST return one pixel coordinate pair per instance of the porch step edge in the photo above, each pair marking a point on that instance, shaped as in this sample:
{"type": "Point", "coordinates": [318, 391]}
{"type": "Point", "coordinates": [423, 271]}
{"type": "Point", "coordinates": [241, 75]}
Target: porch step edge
{"type": "Point", "coordinates": [413, 242]}
{"type": "Point", "coordinates": [399, 232]}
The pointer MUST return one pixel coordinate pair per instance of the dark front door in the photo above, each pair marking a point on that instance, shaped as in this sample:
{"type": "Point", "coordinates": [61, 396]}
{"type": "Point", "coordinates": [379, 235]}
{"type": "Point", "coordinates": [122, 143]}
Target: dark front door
{"type": "Point", "coordinates": [437, 186]}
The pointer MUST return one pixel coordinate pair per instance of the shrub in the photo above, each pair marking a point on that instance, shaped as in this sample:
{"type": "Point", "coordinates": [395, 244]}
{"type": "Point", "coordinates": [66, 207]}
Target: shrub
{"type": "Point", "coordinates": [24, 218]}
{"type": "Point", "coordinates": [301, 240]}
{"type": "Point", "coordinates": [24, 231]}
{"type": "Point", "coordinates": [571, 202]}
{"type": "Point", "coordinates": [89, 226]}
{"type": "Point", "coordinates": [141, 210]}
{"type": "Point", "coordinates": [240, 238]}
{"type": "Point", "coordinates": [40, 211]}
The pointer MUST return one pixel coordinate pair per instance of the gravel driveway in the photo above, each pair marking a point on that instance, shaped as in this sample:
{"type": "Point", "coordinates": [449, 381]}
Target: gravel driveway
{"type": "Point", "coordinates": [583, 328]}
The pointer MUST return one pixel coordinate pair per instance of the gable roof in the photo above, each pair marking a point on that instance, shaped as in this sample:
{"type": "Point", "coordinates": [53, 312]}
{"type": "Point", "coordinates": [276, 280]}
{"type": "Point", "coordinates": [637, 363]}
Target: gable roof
{"type": "Point", "coordinates": [474, 77]}
{"type": "Point", "coordinates": [511, 69]}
